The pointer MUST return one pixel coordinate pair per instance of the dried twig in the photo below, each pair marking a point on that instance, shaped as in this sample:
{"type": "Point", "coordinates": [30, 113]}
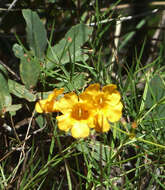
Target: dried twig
{"type": "Point", "coordinates": [9, 70]}
{"type": "Point", "coordinates": [22, 155]}
{"type": "Point", "coordinates": [121, 19]}
{"type": "Point", "coordinates": [12, 5]}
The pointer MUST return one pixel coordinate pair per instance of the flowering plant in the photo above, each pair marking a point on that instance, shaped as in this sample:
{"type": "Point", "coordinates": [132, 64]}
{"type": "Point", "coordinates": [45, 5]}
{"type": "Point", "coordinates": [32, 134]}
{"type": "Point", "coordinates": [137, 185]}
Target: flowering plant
{"type": "Point", "coordinates": [49, 104]}
{"type": "Point", "coordinates": [93, 108]}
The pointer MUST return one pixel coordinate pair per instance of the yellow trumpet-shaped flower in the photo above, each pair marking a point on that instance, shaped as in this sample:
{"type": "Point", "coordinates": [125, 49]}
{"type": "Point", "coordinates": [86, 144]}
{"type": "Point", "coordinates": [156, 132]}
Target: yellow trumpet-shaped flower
{"type": "Point", "coordinates": [95, 108]}
{"type": "Point", "coordinates": [49, 104]}
{"type": "Point", "coordinates": [77, 115]}
{"type": "Point", "coordinates": [107, 105]}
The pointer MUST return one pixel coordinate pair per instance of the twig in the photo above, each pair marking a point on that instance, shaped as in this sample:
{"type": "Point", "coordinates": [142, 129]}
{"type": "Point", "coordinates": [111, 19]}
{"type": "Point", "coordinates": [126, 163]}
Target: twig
{"type": "Point", "coordinates": [121, 19]}
{"type": "Point", "coordinates": [116, 43]}
{"type": "Point", "coordinates": [22, 155]}
{"type": "Point", "coordinates": [9, 70]}
{"type": "Point", "coordinates": [12, 5]}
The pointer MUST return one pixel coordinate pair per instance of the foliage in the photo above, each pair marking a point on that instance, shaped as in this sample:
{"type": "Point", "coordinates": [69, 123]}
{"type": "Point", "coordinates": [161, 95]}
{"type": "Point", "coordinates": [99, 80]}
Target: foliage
{"type": "Point", "coordinates": [71, 45]}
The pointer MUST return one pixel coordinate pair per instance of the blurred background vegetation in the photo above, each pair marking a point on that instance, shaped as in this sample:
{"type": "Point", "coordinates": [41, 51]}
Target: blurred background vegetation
{"type": "Point", "coordinates": [70, 12]}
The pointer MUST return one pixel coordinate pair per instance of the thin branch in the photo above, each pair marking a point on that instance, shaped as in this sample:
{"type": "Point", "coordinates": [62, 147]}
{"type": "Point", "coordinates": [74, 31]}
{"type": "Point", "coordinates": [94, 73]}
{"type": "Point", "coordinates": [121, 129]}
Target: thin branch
{"type": "Point", "coordinates": [121, 19]}
{"type": "Point", "coordinates": [9, 70]}
{"type": "Point", "coordinates": [12, 5]}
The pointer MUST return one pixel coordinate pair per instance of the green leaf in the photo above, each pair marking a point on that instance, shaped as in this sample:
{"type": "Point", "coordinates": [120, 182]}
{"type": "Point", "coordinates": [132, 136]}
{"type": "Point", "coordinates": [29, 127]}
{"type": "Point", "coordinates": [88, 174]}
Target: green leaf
{"type": "Point", "coordinates": [78, 81]}
{"type": "Point", "coordinates": [70, 46]}
{"type": "Point", "coordinates": [156, 98]}
{"type": "Point", "coordinates": [36, 33]}
{"type": "Point", "coordinates": [20, 91]}
{"type": "Point", "coordinates": [40, 119]}
{"type": "Point", "coordinates": [93, 148]}
{"type": "Point", "coordinates": [156, 91]}
{"type": "Point", "coordinates": [14, 108]}
{"type": "Point", "coordinates": [29, 72]}
{"type": "Point", "coordinates": [43, 95]}
{"type": "Point", "coordinates": [18, 51]}
{"type": "Point", "coordinates": [5, 97]}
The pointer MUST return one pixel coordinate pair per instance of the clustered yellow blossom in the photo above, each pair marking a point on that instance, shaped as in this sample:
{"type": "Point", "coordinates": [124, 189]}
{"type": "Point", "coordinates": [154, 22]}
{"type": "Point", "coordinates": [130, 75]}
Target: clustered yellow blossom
{"type": "Point", "coordinates": [49, 105]}
{"type": "Point", "coordinates": [94, 108]}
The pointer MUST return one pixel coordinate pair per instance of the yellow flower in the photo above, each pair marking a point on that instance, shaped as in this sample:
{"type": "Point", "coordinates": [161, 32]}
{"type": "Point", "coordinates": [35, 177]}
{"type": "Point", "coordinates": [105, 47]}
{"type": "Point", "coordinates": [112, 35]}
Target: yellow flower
{"type": "Point", "coordinates": [49, 104]}
{"type": "Point", "coordinates": [107, 105]}
{"type": "Point", "coordinates": [94, 108]}
{"type": "Point", "coordinates": [77, 115]}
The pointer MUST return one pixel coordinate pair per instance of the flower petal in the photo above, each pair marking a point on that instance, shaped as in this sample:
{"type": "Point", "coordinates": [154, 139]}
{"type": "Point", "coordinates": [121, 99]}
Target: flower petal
{"type": "Point", "coordinates": [55, 94]}
{"type": "Point", "coordinates": [101, 123]}
{"type": "Point", "coordinates": [109, 88]}
{"type": "Point", "coordinates": [80, 130]}
{"type": "Point", "coordinates": [64, 122]}
{"type": "Point", "coordinates": [93, 88]}
{"type": "Point", "coordinates": [66, 103]}
{"type": "Point", "coordinates": [114, 98]}
{"type": "Point", "coordinates": [40, 106]}
{"type": "Point", "coordinates": [115, 112]}
{"type": "Point", "coordinates": [51, 106]}
{"type": "Point", "coordinates": [85, 97]}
